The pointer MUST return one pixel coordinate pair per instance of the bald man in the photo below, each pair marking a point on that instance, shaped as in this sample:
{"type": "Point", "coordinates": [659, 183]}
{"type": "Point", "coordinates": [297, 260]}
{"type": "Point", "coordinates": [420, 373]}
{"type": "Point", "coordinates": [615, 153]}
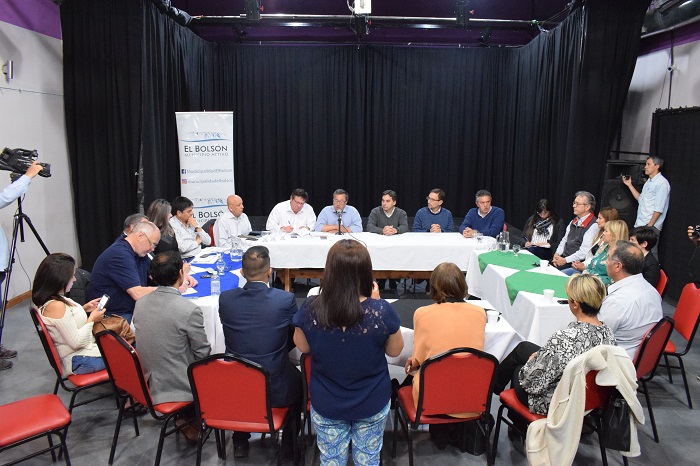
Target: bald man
{"type": "Point", "coordinates": [231, 223]}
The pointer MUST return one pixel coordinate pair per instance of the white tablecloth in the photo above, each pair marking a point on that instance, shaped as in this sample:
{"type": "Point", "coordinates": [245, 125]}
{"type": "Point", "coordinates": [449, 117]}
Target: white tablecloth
{"type": "Point", "coordinates": [533, 317]}
{"type": "Point", "coordinates": [408, 251]}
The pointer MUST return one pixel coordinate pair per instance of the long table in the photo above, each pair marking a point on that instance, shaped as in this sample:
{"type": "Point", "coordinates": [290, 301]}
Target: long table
{"type": "Point", "coordinates": [533, 316]}
{"type": "Point", "coordinates": [409, 255]}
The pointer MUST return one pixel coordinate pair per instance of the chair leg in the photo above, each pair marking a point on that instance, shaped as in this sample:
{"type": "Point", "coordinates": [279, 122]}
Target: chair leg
{"type": "Point", "coordinates": [409, 439]}
{"type": "Point", "coordinates": [651, 411]}
{"type": "Point", "coordinates": [393, 436]}
{"type": "Point", "coordinates": [116, 431]}
{"type": "Point", "coordinates": [668, 368]}
{"type": "Point", "coordinates": [161, 439]}
{"type": "Point", "coordinates": [599, 429]}
{"type": "Point", "coordinates": [685, 381]}
{"type": "Point", "coordinates": [200, 444]}
{"type": "Point", "coordinates": [64, 447]}
{"type": "Point", "coordinates": [496, 432]}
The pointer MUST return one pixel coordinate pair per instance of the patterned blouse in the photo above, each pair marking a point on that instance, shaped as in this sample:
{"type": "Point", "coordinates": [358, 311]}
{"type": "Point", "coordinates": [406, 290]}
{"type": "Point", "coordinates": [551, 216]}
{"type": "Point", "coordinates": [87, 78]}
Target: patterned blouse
{"type": "Point", "coordinates": [540, 376]}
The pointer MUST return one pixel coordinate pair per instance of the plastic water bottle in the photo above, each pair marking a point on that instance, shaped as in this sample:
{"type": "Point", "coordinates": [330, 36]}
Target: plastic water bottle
{"type": "Point", "coordinates": [221, 264]}
{"type": "Point", "coordinates": [215, 284]}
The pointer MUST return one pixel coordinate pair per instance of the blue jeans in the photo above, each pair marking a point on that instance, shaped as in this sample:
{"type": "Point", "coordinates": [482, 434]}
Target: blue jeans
{"type": "Point", "coordinates": [333, 438]}
{"type": "Point", "coordinates": [87, 364]}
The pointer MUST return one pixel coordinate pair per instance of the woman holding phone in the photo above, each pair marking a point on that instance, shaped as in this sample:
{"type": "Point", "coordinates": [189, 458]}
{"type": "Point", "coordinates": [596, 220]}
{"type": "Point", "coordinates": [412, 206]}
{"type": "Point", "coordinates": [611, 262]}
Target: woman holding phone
{"type": "Point", "coordinates": [68, 323]}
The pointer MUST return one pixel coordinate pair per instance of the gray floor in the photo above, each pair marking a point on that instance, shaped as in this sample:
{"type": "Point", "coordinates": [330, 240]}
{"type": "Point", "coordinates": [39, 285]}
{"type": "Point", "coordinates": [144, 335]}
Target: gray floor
{"type": "Point", "coordinates": [90, 434]}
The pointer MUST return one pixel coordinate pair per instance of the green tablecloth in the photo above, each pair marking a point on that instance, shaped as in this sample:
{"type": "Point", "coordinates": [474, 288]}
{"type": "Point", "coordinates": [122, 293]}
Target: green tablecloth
{"type": "Point", "coordinates": [535, 283]}
{"type": "Point", "coordinates": [508, 259]}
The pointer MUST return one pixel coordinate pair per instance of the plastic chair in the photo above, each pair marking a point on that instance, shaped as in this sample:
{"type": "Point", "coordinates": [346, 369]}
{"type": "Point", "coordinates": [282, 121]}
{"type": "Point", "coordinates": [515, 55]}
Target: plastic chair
{"type": "Point", "coordinates": [129, 383]}
{"type": "Point", "coordinates": [663, 281]}
{"type": "Point", "coordinates": [209, 228]}
{"type": "Point", "coordinates": [233, 393]}
{"type": "Point", "coordinates": [305, 363]}
{"type": "Point", "coordinates": [79, 382]}
{"type": "Point", "coordinates": [648, 357]}
{"type": "Point", "coordinates": [457, 381]}
{"type": "Point", "coordinates": [31, 419]}
{"type": "Point", "coordinates": [596, 398]}
{"type": "Point", "coordinates": [686, 317]}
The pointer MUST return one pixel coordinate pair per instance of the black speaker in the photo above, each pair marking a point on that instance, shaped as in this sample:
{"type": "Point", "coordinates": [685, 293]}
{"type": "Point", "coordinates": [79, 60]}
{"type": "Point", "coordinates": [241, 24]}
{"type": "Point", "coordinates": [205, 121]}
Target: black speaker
{"type": "Point", "coordinates": [617, 195]}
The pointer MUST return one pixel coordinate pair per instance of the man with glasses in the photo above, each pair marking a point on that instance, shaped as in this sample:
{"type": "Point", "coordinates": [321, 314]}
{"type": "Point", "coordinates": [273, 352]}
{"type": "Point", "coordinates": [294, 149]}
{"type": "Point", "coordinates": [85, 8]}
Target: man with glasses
{"type": "Point", "coordinates": [579, 234]}
{"type": "Point", "coordinates": [483, 218]}
{"type": "Point", "coordinates": [434, 218]}
{"type": "Point", "coordinates": [632, 306]}
{"type": "Point", "coordinates": [189, 235]}
{"type": "Point", "coordinates": [294, 214]}
{"type": "Point", "coordinates": [350, 220]}
{"type": "Point", "coordinates": [121, 271]}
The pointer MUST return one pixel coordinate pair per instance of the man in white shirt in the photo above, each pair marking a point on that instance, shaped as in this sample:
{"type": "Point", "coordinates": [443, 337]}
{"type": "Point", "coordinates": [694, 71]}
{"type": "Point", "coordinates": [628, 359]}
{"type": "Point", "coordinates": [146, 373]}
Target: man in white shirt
{"type": "Point", "coordinates": [653, 200]}
{"type": "Point", "coordinates": [578, 238]}
{"type": "Point", "coordinates": [632, 306]}
{"type": "Point", "coordinates": [294, 214]}
{"type": "Point", "coordinates": [189, 235]}
{"type": "Point", "coordinates": [231, 224]}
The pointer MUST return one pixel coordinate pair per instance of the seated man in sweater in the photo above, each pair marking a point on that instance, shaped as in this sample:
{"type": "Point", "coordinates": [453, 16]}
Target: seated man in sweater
{"type": "Point", "coordinates": [483, 218]}
{"type": "Point", "coordinates": [434, 218]}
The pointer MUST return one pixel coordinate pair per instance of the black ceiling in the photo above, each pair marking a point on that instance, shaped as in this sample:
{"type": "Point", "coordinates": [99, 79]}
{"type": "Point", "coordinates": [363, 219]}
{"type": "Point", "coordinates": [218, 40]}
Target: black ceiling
{"type": "Point", "coordinates": [490, 22]}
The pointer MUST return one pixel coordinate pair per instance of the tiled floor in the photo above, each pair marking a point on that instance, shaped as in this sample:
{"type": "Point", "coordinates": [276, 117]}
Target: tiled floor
{"type": "Point", "coordinates": [90, 434]}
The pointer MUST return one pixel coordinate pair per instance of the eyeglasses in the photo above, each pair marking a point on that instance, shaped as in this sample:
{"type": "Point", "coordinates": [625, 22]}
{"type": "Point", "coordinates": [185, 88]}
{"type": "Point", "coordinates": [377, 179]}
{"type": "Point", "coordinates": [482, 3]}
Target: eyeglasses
{"type": "Point", "coordinates": [299, 203]}
{"type": "Point", "coordinates": [576, 204]}
{"type": "Point", "coordinates": [431, 199]}
{"type": "Point", "coordinates": [339, 201]}
{"type": "Point", "coordinates": [153, 245]}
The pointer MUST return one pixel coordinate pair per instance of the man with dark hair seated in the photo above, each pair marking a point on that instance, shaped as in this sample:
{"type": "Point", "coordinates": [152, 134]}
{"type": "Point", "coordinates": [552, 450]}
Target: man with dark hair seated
{"type": "Point", "coordinates": [257, 323]}
{"type": "Point", "coordinates": [189, 235]}
{"type": "Point", "coordinates": [646, 238]}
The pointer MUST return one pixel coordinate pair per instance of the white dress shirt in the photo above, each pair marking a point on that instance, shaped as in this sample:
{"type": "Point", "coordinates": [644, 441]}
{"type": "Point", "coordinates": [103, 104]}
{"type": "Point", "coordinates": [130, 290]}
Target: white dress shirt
{"type": "Point", "coordinates": [228, 226]}
{"type": "Point", "coordinates": [187, 237]}
{"type": "Point", "coordinates": [282, 215]}
{"type": "Point", "coordinates": [631, 308]}
{"type": "Point", "coordinates": [654, 197]}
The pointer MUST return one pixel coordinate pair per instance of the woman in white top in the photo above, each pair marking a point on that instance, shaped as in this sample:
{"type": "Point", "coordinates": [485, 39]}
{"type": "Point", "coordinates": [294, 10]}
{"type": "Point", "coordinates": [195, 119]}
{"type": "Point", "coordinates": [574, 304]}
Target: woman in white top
{"type": "Point", "coordinates": [68, 323]}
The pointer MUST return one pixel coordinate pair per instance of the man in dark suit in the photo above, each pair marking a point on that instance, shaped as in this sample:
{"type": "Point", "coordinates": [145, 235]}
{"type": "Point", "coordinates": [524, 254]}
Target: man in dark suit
{"type": "Point", "coordinates": [257, 323]}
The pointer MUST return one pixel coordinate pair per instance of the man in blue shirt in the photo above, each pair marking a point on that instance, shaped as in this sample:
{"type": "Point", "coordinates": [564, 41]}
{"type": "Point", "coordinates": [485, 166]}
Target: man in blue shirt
{"type": "Point", "coordinates": [483, 218]}
{"type": "Point", "coordinates": [327, 220]}
{"type": "Point", "coordinates": [434, 218]}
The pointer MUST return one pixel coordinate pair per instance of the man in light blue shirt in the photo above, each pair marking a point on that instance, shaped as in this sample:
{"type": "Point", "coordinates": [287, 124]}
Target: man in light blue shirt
{"type": "Point", "coordinates": [653, 200]}
{"type": "Point", "coordinates": [327, 220]}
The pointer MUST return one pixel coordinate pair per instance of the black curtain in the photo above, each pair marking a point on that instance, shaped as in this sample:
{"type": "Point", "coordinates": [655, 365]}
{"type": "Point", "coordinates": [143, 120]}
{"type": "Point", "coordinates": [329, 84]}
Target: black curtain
{"type": "Point", "coordinates": [525, 123]}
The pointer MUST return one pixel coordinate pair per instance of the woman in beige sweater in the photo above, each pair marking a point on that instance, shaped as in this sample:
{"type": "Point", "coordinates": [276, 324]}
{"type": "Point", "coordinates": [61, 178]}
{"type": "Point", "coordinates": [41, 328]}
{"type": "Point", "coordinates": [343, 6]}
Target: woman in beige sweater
{"type": "Point", "coordinates": [69, 324]}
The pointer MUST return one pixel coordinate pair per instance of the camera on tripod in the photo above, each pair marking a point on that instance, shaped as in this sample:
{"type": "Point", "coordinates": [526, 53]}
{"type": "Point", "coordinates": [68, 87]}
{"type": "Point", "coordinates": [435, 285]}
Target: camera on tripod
{"type": "Point", "coordinates": [19, 161]}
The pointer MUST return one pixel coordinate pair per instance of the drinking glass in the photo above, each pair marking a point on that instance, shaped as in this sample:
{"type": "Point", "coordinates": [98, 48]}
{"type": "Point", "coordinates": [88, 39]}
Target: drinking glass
{"type": "Point", "coordinates": [516, 249]}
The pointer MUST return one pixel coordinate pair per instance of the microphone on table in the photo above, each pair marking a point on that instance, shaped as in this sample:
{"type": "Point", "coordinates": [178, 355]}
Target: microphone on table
{"type": "Point", "coordinates": [339, 213]}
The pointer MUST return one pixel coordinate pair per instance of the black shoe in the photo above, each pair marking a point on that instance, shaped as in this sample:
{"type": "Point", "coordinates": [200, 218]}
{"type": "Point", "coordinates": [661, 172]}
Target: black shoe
{"type": "Point", "coordinates": [5, 365]}
{"type": "Point", "coordinates": [240, 450]}
{"type": "Point", "coordinates": [7, 353]}
{"type": "Point", "coordinates": [393, 284]}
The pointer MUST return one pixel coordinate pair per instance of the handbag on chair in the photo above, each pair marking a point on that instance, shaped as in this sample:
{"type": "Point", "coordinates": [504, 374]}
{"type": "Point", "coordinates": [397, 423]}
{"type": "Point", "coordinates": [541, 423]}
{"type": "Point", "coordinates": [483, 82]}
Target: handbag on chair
{"type": "Point", "coordinates": [118, 325]}
{"type": "Point", "coordinates": [616, 423]}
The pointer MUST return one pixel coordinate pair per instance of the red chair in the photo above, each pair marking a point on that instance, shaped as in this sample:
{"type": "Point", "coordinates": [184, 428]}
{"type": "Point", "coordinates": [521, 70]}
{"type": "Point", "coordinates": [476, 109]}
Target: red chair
{"type": "Point", "coordinates": [648, 357]}
{"type": "Point", "coordinates": [306, 404]}
{"type": "Point", "coordinates": [233, 393]}
{"type": "Point", "coordinates": [687, 318]}
{"type": "Point", "coordinates": [78, 382]}
{"type": "Point", "coordinates": [596, 397]}
{"type": "Point", "coordinates": [129, 383]}
{"type": "Point", "coordinates": [32, 418]}
{"type": "Point", "coordinates": [661, 284]}
{"type": "Point", "coordinates": [457, 381]}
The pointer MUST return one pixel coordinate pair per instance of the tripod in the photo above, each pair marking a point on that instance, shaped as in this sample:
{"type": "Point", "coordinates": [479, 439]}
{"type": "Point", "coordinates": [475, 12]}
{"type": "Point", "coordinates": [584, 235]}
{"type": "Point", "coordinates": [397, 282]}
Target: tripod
{"type": "Point", "coordinates": [19, 219]}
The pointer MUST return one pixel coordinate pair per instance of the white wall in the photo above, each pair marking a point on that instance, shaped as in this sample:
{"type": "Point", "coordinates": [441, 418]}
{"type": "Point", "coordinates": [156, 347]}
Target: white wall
{"type": "Point", "coordinates": [650, 87]}
{"type": "Point", "coordinates": [32, 117]}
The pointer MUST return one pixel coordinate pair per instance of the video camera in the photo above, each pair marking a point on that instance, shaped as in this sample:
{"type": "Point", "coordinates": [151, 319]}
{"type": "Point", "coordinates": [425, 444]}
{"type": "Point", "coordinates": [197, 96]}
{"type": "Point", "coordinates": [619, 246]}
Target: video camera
{"type": "Point", "coordinates": [19, 161]}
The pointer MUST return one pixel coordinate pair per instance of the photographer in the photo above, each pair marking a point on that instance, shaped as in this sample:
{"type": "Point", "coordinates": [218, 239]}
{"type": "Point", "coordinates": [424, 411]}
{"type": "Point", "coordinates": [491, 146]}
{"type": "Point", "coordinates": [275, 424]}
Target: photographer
{"type": "Point", "coordinates": [8, 196]}
{"type": "Point", "coordinates": [694, 265]}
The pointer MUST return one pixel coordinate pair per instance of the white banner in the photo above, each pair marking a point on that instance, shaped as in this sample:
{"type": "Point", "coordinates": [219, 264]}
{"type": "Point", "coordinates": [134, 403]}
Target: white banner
{"type": "Point", "coordinates": [205, 140]}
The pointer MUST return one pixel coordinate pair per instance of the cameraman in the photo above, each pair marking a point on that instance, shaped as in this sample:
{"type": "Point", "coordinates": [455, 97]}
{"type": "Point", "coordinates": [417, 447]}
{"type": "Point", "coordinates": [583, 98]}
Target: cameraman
{"type": "Point", "coordinates": [8, 196]}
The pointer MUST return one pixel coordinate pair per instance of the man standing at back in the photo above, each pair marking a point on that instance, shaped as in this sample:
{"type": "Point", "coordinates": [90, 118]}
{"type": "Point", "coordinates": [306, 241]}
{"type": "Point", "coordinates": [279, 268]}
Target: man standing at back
{"type": "Point", "coordinates": [189, 235]}
{"type": "Point", "coordinates": [578, 238]}
{"type": "Point", "coordinates": [257, 323]}
{"type": "Point", "coordinates": [632, 306]}
{"type": "Point", "coordinates": [231, 223]}
{"type": "Point", "coordinates": [434, 218]}
{"type": "Point", "coordinates": [292, 214]}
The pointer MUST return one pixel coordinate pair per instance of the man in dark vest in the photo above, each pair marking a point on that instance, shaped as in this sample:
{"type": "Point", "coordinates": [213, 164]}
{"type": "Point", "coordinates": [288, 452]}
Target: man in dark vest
{"type": "Point", "coordinates": [579, 235]}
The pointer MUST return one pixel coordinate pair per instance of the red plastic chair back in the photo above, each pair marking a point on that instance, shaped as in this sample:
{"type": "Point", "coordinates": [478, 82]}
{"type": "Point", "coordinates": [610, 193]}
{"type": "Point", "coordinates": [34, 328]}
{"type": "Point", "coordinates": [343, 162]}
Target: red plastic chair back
{"type": "Point", "coordinates": [596, 395]}
{"type": "Point", "coordinates": [687, 313]}
{"type": "Point", "coordinates": [211, 234]}
{"type": "Point", "coordinates": [231, 388]}
{"type": "Point", "coordinates": [46, 341]}
{"type": "Point", "coordinates": [124, 366]}
{"type": "Point", "coordinates": [457, 381]}
{"type": "Point", "coordinates": [652, 348]}
{"type": "Point", "coordinates": [661, 284]}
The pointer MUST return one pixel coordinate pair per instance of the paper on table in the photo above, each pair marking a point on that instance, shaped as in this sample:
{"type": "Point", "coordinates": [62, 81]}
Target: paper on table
{"type": "Point", "coordinates": [210, 259]}
{"type": "Point", "coordinates": [189, 291]}
{"type": "Point", "coordinates": [195, 269]}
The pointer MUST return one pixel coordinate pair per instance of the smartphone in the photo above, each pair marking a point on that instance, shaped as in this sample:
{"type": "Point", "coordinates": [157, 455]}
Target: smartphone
{"type": "Point", "coordinates": [103, 302]}
{"type": "Point", "coordinates": [204, 255]}
{"type": "Point", "coordinates": [205, 275]}
{"type": "Point", "coordinates": [562, 301]}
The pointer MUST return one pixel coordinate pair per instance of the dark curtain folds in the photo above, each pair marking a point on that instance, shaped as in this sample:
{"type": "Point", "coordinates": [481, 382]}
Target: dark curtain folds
{"type": "Point", "coordinates": [524, 123]}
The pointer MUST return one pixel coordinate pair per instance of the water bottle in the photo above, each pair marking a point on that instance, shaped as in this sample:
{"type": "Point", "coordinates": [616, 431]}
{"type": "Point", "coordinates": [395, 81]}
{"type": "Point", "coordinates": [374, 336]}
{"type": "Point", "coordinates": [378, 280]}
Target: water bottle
{"type": "Point", "coordinates": [220, 265]}
{"type": "Point", "coordinates": [215, 284]}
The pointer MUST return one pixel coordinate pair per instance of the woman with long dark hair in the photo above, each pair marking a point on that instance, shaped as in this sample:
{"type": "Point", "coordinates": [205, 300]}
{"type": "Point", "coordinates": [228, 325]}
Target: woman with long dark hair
{"type": "Point", "coordinates": [67, 322]}
{"type": "Point", "coordinates": [348, 329]}
{"type": "Point", "coordinates": [543, 231]}
{"type": "Point", "coordinates": [159, 212]}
